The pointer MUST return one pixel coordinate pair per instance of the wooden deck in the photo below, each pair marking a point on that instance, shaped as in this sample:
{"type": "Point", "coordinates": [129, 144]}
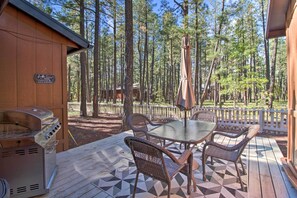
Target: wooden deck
{"type": "Point", "coordinates": [81, 166]}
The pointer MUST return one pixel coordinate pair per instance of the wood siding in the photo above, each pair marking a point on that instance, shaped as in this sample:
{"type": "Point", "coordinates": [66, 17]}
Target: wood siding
{"type": "Point", "coordinates": [29, 47]}
{"type": "Point", "coordinates": [292, 86]}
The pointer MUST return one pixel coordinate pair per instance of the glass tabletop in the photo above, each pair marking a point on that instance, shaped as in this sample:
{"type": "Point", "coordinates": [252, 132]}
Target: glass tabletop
{"type": "Point", "coordinates": [195, 132]}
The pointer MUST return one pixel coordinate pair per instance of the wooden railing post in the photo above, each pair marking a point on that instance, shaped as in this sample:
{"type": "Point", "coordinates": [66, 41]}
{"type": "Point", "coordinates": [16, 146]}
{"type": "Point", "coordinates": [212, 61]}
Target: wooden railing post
{"type": "Point", "coordinates": [261, 120]}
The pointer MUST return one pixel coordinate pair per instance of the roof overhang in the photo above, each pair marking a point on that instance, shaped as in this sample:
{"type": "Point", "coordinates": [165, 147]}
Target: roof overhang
{"type": "Point", "coordinates": [276, 18]}
{"type": "Point", "coordinates": [3, 3]}
{"type": "Point", "coordinates": [51, 23]}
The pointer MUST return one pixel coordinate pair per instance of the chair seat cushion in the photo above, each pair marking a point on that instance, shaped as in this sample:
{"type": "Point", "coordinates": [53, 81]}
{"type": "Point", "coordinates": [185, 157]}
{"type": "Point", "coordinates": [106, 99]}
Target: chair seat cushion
{"type": "Point", "coordinates": [222, 154]}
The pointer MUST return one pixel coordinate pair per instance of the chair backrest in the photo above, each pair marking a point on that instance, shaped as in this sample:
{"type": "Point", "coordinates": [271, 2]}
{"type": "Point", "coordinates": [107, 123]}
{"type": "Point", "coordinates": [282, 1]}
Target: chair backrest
{"type": "Point", "coordinates": [148, 158]}
{"type": "Point", "coordinates": [204, 116]}
{"type": "Point", "coordinates": [138, 122]}
{"type": "Point", "coordinates": [250, 133]}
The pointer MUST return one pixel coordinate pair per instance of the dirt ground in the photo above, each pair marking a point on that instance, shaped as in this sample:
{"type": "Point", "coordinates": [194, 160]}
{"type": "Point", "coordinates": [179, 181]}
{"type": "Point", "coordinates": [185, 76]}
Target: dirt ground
{"type": "Point", "coordinates": [87, 129]}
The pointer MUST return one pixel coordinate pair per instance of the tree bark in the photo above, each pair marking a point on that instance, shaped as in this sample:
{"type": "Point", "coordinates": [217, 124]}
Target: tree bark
{"type": "Point", "coordinates": [152, 71]}
{"type": "Point", "coordinates": [78, 85]}
{"type": "Point", "coordinates": [122, 70]}
{"type": "Point", "coordinates": [114, 52]}
{"type": "Point", "coordinates": [128, 102]}
{"type": "Point", "coordinates": [69, 83]}
{"type": "Point", "coordinates": [172, 72]}
{"type": "Point", "coordinates": [83, 60]}
{"type": "Point", "coordinates": [146, 56]}
{"type": "Point", "coordinates": [96, 58]}
{"type": "Point", "coordinates": [108, 82]}
{"type": "Point", "coordinates": [197, 68]}
{"type": "Point", "coordinates": [272, 75]}
{"type": "Point", "coordinates": [266, 46]}
{"type": "Point", "coordinates": [141, 86]}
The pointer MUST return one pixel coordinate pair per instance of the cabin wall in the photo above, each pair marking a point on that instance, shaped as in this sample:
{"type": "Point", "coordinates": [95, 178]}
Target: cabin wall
{"type": "Point", "coordinates": [29, 47]}
{"type": "Point", "coordinates": [291, 34]}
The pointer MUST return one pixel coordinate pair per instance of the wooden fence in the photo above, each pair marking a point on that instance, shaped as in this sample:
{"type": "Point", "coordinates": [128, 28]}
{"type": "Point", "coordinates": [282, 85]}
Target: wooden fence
{"type": "Point", "coordinates": [270, 120]}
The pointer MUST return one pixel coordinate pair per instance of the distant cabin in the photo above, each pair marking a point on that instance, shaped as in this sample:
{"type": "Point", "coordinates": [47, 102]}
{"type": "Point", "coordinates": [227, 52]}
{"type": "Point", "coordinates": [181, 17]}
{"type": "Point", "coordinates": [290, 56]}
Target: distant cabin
{"type": "Point", "coordinates": [108, 94]}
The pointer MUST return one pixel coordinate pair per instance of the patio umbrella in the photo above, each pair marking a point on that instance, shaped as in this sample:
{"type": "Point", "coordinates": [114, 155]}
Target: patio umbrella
{"type": "Point", "coordinates": [185, 96]}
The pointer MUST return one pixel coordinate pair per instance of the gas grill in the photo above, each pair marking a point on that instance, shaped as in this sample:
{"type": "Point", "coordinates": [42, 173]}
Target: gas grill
{"type": "Point", "coordinates": [28, 150]}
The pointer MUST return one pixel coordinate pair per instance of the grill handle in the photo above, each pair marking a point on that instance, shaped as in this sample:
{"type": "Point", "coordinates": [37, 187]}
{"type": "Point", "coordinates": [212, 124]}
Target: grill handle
{"type": "Point", "coordinates": [50, 121]}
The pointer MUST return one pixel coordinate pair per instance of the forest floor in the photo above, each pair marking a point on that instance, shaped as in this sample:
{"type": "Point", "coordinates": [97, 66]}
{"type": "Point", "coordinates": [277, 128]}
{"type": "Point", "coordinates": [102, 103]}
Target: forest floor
{"type": "Point", "coordinates": [87, 129]}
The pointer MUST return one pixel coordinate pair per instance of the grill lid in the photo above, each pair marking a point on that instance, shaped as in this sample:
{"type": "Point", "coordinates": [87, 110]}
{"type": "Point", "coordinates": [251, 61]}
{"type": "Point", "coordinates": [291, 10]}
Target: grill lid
{"type": "Point", "coordinates": [27, 126]}
{"type": "Point", "coordinates": [32, 118]}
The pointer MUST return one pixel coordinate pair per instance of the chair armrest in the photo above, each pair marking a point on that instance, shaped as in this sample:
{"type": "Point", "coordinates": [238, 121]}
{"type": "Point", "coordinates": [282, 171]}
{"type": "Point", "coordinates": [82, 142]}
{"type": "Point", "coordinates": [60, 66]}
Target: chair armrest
{"type": "Point", "coordinates": [223, 147]}
{"type": "Point", "coordinates": [154, 124]}
{"type": "Point", "coordinates": [229, 135]}
{"type": "Point", "coordinates": [181, 160]}
{"type": "Point", "coordinates": [184, 156]}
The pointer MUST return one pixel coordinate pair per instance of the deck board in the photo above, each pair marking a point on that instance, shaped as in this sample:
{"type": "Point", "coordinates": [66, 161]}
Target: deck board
{"type": "Point", "coordinates": [265, 176]}
{"type": "Point", "coordinates": [80, 167]}
{"type": "Point", "coordinates": [278, 155]}
{"type": "Point", "coordinates": [254, 182]}
{"type": "Point", "coordinates": [278, 183]}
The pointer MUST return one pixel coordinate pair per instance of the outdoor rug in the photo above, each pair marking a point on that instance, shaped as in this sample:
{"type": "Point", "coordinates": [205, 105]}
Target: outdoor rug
{"type": "Point", "coordinates": [221, 180]}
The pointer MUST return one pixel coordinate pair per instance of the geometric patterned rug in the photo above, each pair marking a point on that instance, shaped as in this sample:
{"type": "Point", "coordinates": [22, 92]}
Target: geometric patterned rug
{"type": "Point", "coordinates": [221, 181]}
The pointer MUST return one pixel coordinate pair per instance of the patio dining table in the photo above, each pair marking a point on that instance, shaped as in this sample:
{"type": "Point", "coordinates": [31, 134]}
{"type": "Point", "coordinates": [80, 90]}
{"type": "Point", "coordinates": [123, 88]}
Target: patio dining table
{"type": "Point", "coordinates": [195, 131]}
{"type": "Point", "coordinates": [191, 133]}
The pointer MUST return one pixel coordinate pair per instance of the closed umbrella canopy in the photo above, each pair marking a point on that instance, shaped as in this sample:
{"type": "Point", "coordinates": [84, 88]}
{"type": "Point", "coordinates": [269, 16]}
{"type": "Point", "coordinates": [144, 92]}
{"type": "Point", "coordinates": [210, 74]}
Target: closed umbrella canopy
{"type": "Point", "coordinates": [185, 96]}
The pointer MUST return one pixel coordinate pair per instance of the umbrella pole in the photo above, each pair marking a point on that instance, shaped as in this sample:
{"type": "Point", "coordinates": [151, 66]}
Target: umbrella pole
{"type": "Point", "coordinates": [185, 118]}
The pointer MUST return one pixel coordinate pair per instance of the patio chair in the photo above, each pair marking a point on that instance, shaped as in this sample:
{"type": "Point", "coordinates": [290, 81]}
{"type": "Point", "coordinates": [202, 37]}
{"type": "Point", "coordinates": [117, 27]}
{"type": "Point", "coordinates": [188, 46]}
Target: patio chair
{"type": "Point", "coordinates": [205, 116]}
{"type": "Point", "coordinates": [157, 162]}
{"type": "Point", "coordinates": [232, 153]}
{"type": "Point", "coordinates": [140, 125]}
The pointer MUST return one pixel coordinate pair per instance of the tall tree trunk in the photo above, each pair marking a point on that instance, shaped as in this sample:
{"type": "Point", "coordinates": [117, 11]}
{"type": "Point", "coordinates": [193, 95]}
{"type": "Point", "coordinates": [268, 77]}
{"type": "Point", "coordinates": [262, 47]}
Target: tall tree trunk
{"type": "Point", "coordinates": [152, 97]}
{"type": "Point", "coordinates": [128, 102]}
{"type": "Point", "coordinates": [114, 51]}
{"type": "Point", "coordinates": [87, 76]}
{"type": "Point", "coordinates": [164, 79]}
{"type": "Point", "coordinates": [245, 94]}
{"type": "Point", "coordinates": [108, 79]}
{"type": "Point", "coordinates": [69, 83]}
{"type": "Point", "coordinates": [171, 84]}
{"type": "Point", "coordinates": [88, 86]}
{"type": "Point", "coordinates": [197, 68]}
{"type": "Point", "coordinates": [272, 74]}
{"type": "Point", "coordinates": [141, 86]}
{"type": "Point", "coordinates": [122, 70]}
{"type": "Point", "coordinates": [83, 60]}
{"type": "Point", "coordinates": [266, 46]}
{"type": "Point", "coordinates": [100, 69]}
{"type": "Point", "coordinates": [143, 75]}
{"type": "Point", "coordinates": [214, 60]}
{"type": "Point", "coordinates": [96, 58]}
{"type": "Point", "coordinates": [78, 85]}
{"type": "Point", "coordinates": [146, 56]}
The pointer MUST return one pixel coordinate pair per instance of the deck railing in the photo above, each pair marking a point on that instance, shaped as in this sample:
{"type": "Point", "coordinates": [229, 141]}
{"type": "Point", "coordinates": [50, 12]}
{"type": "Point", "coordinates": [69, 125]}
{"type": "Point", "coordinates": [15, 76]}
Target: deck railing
{"type": "Point", "coordinates": [271, 120]}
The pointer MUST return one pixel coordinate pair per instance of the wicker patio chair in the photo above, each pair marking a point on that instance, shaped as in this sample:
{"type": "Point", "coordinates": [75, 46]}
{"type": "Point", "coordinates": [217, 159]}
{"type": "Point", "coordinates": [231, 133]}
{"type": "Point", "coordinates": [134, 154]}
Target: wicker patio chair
{"type": "Point", "coordinates": [232, 153]}
{"type": "Point", "coordinates": [157, 162]}
{"type": "Point", "coordinates": [140, 125]}
{"type": "Point", "coordinates": [205, 116]}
